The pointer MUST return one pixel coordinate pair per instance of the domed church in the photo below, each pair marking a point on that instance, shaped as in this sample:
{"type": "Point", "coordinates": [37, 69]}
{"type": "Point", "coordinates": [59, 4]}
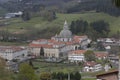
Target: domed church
{"type": "Point", "coordinates": [65, 34]}
{"type": "Point", "coordinates": [59, 45]}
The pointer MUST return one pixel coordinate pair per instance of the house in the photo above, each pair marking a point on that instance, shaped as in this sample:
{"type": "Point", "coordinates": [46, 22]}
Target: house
{"type": "Point", "coordinates": [101, 55]}
{"type": "Point", "coordinates": [111, 75]}
{"type": "Point", "coordinates": [91, 66]}
{"type": "Point", "coordinates": [59, 45]}
{"type": "Point", "coordinates": [12, 52]}
{"type": "Point", "coordinates": [109, 41]}
{"type": "Point", "coordinates": [76, 56]}
{"type": "Point", "coordinates": [12, 15]}
{"type": "Point", "coordinates": [113, 58]}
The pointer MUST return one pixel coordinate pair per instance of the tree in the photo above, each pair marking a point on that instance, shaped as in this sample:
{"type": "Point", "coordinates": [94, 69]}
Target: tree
{"type": "Point", "coordinates": [71, 76]}
{"type": "Point", "coordinates": [30, 63]}
{"type": "Point", "coordinates": [100, 46]}
{"type": "Point", "coordinates": [78, 26]}
{"type": "Point", "coordinates": [101, 27]}
{"type": "Point", "coordinates": [42, 51]}
{"type": "Point", "coordinates": [48, 15]}
{"type": "Point", "coordinates": [89, 55]}
{"type": "Point", "coordinates": [54, 75]}
{"type": "Point", "coordinates": [26, 72]}
{"type": "Point", "coordinates": [60, 75]}
{"type": "Point", "coordinates": [116, 2]}
{"type": "Point", "coordinates": [4, 71]}
{"type": "Point", "coordinates": [26, 15]}
{"type": "Point", "coordinates": [77, 76]}
{"type": "Point", "coordinates": [45, 76]}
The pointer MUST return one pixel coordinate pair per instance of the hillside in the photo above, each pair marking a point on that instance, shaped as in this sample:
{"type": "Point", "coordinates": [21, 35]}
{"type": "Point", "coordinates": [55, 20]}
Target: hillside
{"type": "Point", "coordinates": [45, 29]}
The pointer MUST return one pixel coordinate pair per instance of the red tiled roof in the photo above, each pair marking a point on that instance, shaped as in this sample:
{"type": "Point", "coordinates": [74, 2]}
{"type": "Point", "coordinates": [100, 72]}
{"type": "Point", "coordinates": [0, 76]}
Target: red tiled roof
{"type": "Point", "coordinates": [78, 51]}
{"type": "Point", "coordinates": [90, 63]}
{"type": "Point", "coordinates": [101, 54]}
{"type": "Point", "coordinates": [51, 40]}
{"type": "Point", "coordinates": [12, 48]}
{"type": "Point", "coordinates": [39, 40]}
{"type": "Point", "coordinates": [40, 45]}
{"type": "Point", "coordinates": [76, 39]}
{"type": "Point", "coordinates": [69, 43]}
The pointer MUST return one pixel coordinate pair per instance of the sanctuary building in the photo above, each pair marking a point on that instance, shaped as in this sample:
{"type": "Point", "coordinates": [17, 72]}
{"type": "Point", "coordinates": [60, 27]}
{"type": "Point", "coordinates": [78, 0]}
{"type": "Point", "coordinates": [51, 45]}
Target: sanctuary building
{"type": "Point", "coordinates": [59, 45]}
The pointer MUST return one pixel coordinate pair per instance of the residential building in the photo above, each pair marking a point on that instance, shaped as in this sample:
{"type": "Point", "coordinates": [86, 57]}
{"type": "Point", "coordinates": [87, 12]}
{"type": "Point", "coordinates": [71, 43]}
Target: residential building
{"type": "Point", "coordinates": [12, 52]}
{"type": "Point", "coordinates": [12, 15]}
{"type": "Point", "coordinates": [114, 58]}
{"type": "Point", "coordinates": [91, 66]}
{"type": "Point", "coordinates": [76, 56]}
{"type": "Point", "coordinates": [101, 55]}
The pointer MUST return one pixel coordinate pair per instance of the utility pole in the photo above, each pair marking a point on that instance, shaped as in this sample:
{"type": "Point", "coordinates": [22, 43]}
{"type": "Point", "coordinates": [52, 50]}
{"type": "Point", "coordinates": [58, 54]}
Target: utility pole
{"type": "Point", "coordinates": [119, 69]}
{"type": "Point", "coordinates": [119, 58]}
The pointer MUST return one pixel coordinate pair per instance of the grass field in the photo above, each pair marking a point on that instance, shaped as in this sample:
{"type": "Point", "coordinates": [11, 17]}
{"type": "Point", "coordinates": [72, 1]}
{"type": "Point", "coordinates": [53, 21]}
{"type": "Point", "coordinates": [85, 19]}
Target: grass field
{"type": "Point", "coordinates": [56, 67]}
{"type": "Point", "coordinates": [17, 25]}
{"type": "Point", "coordinates": [89, 79]}
{"type": "Point", "coordinates": [62, 67]}
{"type": "Point", "coordinates": [13, 43]}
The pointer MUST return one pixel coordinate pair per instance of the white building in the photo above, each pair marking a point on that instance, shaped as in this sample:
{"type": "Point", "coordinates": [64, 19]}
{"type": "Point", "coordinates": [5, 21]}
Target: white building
{"type": "Point", "coordinates": [76, 56]}
{"type": "Point", "coordinates": [12, 52]}
{"type": "Point", "coordinates": [92, 67]}
{"type": "Point", "coordinates": [101, 55]}
{"type": "Point", "coordinates": [12, 15]}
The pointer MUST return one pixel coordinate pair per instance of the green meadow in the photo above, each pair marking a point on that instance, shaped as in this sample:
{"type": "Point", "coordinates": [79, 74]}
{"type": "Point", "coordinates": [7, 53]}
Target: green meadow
{"type": "Point", "coordinates": [19, 26]}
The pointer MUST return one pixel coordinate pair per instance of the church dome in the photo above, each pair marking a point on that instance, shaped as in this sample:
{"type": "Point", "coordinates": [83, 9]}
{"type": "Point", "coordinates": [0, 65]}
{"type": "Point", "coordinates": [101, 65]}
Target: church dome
{"type": "Point", "coordinates": [65, 33]}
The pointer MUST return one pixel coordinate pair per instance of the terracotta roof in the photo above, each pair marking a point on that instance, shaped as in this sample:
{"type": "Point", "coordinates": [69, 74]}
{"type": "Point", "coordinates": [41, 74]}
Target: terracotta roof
{"type": "Point", "coordinates": [69, 43]}
{"type": "Point", "coordinates": [51, 40]}
{"type": "Point", "coordinates": [78, 51]}
{"type": "Point", "coordinates": [48, 43]}
{"type": "Point", "coordinates": [41, 45]}
{"type": "Point", "coordinates": [101, 54]}
{"type": "Point", "coordinates": [12, 48]}
{"type": "Point", "coordinates": [90, 63]}
{"type": "Point", "coordinates": [41, 40]}
{"type": "Point", "coordinates": [76, 39]}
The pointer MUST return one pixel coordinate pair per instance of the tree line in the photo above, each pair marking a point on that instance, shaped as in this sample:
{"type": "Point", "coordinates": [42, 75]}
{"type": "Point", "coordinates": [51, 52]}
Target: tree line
{"type": "Point", "coordinates": [95, 5]}
{"type": "Point", "coordinates": [62, 6]}
{"type": "Point", "coordinates": [94, 29]}
{"type": "Point", "coordinates": [65, 76]}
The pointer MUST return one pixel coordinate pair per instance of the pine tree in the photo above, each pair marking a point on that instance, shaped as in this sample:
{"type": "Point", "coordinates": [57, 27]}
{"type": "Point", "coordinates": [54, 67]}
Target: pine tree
{"type": "Point", "coordinates": [42, 52]}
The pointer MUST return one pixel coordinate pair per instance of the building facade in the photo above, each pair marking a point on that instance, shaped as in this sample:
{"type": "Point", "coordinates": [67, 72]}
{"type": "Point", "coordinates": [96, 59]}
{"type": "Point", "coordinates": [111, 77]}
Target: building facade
{"type": "Point", "coordinates": [92, 67]}
{"type": "Point", "coordinates": [12, 52]}
{"type": "Point", "coordinates": [76, 56]}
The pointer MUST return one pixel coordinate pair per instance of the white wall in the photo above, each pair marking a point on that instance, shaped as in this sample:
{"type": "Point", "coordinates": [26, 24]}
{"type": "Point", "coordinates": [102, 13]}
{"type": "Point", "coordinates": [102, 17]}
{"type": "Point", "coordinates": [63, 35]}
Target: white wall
{"type": "Point", "coordinates": [74, 57]}
{"type": "Point", "coordinates": [9, 55]}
